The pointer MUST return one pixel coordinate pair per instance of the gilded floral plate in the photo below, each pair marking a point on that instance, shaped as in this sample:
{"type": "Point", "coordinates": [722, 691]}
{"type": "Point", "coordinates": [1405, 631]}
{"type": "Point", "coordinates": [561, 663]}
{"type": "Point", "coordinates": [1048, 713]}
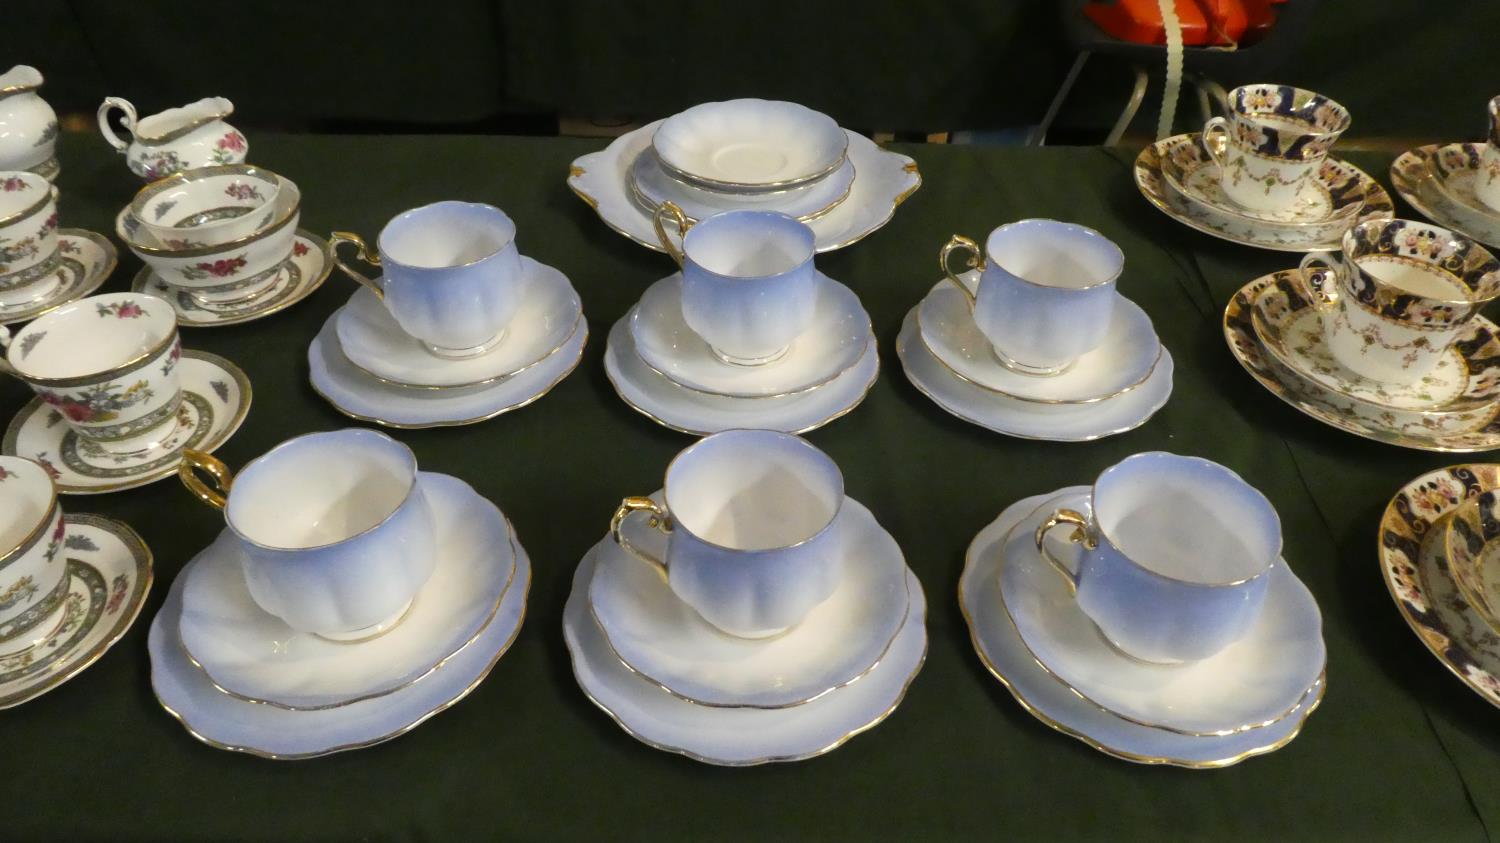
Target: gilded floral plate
{"type": "Point", "coordinates": [1341, 178]}
{"type": "Point", "coordinates": [109, 573]}
{"type": "Point", "coordinates": [1409, 430]}
{"type": "Point", "coordinates": [215, 399]}
{"type": "Point", "coordinates": [1000, 648]}
{"type": "Point", "coordinates": [1414, 564]}
{"type": "Point", "coordinates": [1415, 175]}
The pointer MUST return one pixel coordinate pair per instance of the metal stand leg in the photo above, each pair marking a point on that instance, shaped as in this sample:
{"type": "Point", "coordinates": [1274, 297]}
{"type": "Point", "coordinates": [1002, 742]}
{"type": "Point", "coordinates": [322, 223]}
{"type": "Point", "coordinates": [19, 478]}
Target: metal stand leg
{"type": "Point", "coordinates": [1131, 107]}
{"type": "Point", "coordinates": [1039, 134]}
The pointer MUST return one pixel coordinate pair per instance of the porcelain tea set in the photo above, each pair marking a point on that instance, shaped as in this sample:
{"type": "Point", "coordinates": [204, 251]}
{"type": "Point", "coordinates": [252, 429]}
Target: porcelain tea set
{"type": "Point", "coordinates": [459, 328]}
{"type": "Point", "coordinates": [1034, 341]}
{"type": "Point", "coordinates": [1456, 185]}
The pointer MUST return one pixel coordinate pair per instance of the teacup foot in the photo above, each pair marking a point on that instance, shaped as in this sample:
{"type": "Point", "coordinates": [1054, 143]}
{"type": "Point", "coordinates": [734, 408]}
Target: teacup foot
{"type": "Point", "coordinates": [41, 633]}
{"type": "Point", "coordinates": [751, 361]}
{"type": "Point", "coordinates": [372, 631]}
{"type": "Point", "coordinates": [143, 441]}
{"type": "Point", "coordinates": [1026, 369]}
{"type": "Point", "coordinates": [464, 353]}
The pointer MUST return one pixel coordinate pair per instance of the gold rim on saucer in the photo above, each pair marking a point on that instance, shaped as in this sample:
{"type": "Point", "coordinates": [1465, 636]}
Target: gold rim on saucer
{"type": "Point", "coordinates": [1123, 755]}
{"type": "Point", "coordinates": [145, 573]}
{"type": "Point", "coordinates": [145, 276]}
{"type": "Point", "coordinates": [510, 535]}
{"type": "Point", "coordinates": [460, 422]}
{"type": "Point", "coordinates": [609, 645]}
{"type": "Point", "coordinates": [487, 381]}
{"type": "Point", "coordinates": [85, 283]}
{"type": "Point", "coordinates": [428, 715]}
{"type": "Point", "coordinates": [768, 759]}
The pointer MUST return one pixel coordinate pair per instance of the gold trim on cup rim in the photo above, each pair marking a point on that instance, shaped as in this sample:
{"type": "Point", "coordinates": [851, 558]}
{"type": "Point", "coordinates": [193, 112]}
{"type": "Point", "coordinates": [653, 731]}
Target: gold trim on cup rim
{"type": "Point", "coordinates": [200, 251]}
{"type": "Point", "coordinates": [131, 365]}
{"type": "Point", "coordinates": [49, 194]}
{"type": "Point", "coordinates": [211, 171]}
{"type": "Point", "coordinates": [35, 535]}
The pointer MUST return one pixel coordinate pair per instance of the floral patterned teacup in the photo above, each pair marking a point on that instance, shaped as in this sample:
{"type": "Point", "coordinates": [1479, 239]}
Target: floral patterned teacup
{"type": "Point", "coordinates": [107, 365]}
{"type": "Point", "coordinates": [1399, 295]}
{"type": "Point", "coordinates": [230, 273]}
{"type": "Point", "coordinates": [194, 135]}
{"type": "Point", "coordinates": [208, 206]}
{"type": "Point", "coordinates": [1276, 138]}
{"type": "Point", "coordinates": [1487, 185]}
{"type": "Point", "coordinates": [33, 572]}
{"type": "Point", "coordinates": [28, 238]}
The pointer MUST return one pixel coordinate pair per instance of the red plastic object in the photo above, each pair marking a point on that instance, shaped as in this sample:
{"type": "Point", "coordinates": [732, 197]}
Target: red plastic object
{"type": "Point", "coordinates": [1139, 21]}
{"type": "Point", "coordinates": [1204, 22]}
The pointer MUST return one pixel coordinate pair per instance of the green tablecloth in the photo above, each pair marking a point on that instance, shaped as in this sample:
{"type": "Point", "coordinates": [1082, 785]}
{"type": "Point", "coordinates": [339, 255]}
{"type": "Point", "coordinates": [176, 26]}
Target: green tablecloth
{"type": "Point", "coordinates": [1399, 748]}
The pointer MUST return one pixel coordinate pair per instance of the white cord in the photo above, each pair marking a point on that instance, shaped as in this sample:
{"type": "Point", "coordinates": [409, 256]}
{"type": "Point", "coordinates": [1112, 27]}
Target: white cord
{"type": "Point", "coordinates": [1173, 85]}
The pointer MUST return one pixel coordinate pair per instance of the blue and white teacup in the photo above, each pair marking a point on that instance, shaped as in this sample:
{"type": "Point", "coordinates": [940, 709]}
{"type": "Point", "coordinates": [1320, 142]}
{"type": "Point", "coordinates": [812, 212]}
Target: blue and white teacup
{"type": "Point", "coordinates": [1046, 291]}
{"type": "Point", "coordinates": [1275, 139]}
{"type": "Point", "coordinates": [748, 284]}
{"type": "Point", "coordinates": [750, 516]}
{"type": "Point", "coordinates": [335, 532]}
{"type": "Point", "coordinates": [453, 274]}
{"type": "Point", "coordinates": [1175, 556]}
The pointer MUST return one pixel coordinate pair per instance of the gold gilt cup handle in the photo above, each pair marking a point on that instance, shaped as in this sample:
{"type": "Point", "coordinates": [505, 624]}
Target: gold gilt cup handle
{"type": "Point", "coordinates": [660, 520]}
{"type": "Point", "coordinates": [215, 495]}
{"type": "Point", "coordinates": [670, 209]}
{"type": "Point", "coordinates": [976, 261]}
{"type": "Point", "coordinates": [338, 238]}
{"type": "Point", "coordinates": [1080, 535]}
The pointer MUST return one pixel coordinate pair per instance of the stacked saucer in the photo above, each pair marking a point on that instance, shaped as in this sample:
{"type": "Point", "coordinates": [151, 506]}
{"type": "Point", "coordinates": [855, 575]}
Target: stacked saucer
{"type": "Point", "coordinates": [695, 663]}
{"type": "Point", "coordinates": [1030, 631]}
{"type": "Point", "coordinates": [1290, 338]}
{"type": "Point", "coordinates": [221, 244]}
{"type": "Point", "coordinates": [746, 154]}
{"type": "Point", "coordinates": [375, 360]}
{"type": "Point", "coordinates": [1431, 534]}
{"type": "Point", "coordinates": [1456, 184]}
{"type": "Point", "coordinates": [233, 654]}
{"type": "Point", "coordinates": [767, 342]}
{"type": "Point", "coordinates": [1262, 175]}
{"type": "Point", "coordinates": [1082, 393]}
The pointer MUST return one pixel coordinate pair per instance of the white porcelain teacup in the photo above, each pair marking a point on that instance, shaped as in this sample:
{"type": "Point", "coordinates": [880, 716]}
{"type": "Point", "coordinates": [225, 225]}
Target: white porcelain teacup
{"type": "Point", "coordinates": [107, 365]}
{"type": "Point", "coordinates": [1276, 139]}
{"type": "Point", "coordinates": [1176, 552]}
{"type": "Point", "coordinates": [1046, 291]}
{"type": "Point", "coordinates": [748, 284]}
{"type": "Point", "coordinates": [452, 277]}
{"type": "Point", "coordinates": [1487, 185]}
{"type": "Point", "coordinates": [753, 542]}
{"type": "Point", "coordinates": [209, 206]}
{"type": "Point", "coordinates": [33, 568]}
{"type": "Point", "coordinates": [335, 532]}
{"type": "Point", "coordinates": [1398, 295]}
{"type": "Point", "coordinates": [28, 238]}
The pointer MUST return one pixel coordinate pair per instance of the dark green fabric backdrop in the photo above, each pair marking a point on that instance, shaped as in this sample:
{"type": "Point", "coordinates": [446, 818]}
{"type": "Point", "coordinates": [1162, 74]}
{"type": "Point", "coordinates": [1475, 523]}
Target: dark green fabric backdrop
{"type": "Point", "coordinates": [1399, 749]}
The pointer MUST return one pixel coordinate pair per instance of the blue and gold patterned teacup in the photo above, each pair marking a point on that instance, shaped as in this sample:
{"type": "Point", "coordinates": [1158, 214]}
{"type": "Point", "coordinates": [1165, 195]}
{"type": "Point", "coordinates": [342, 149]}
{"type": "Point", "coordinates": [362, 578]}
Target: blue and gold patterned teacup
{"type": "Point", "coordinates": [1276, 139]}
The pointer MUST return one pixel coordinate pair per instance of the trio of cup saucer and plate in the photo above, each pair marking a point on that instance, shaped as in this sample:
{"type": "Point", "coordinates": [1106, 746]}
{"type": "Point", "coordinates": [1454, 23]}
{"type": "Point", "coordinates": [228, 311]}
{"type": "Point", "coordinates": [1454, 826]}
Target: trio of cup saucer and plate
{"type": "Point", "coordinates": [507, 330]}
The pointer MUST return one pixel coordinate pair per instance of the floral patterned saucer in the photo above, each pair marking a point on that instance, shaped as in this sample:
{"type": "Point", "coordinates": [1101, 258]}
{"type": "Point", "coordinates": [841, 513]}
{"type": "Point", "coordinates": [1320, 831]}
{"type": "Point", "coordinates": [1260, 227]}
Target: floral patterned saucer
{"type": "Point", "coordinates": [302, 273]}
{"type": "Point", "coordinates": [87, 259]}
{"type": "Point", "coordinates": [1438, 182]}
{"type": "Point", "coordinates": [109, 573]}
{"type": "Point", "coordinates": [215, 399]}
{"type": "Point", "coordinates": [1193, 206]}
{"type": "Point", "coordinates": [1291, 328]}
{"type": "Point", "coordinates": [1415, 567]}
{"type": "Point", "coordinates": [1421, 429]}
